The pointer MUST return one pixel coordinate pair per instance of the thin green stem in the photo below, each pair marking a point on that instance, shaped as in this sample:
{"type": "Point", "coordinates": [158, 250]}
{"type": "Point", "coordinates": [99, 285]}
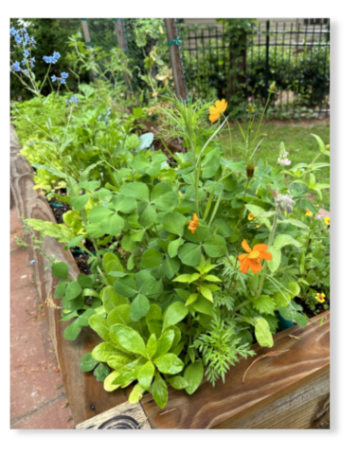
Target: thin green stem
{"type": "Point", "coordinates": [210, 139]}
{"type": "Point", "coordinates": [45, 78]}
{"type": "Point", "coordinates": [221, 179]}
{"type": "Point", "coordinates": [241, 305]}
{"type": "Point", "coordinates": [263, 273]}
{"type": "Point", "coordinates": [261, 118]}
{"type": "Point", "coordinates": [277, 283]}
{"type": "Point", "coordinates": [189, 326]}
{"type": "Point", "coordinates": [103, 277]}
{"type": "Point", "coordinates": [70, 115]}
{"type": "Point", "coordinates": [242, 209]}
{"type": "Point", "coordinates": [231, 145]}
{"type": "Point", "coordinates": [167, 149]}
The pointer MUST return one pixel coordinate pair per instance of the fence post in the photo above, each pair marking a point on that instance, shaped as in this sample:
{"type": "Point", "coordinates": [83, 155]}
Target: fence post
{"type": "Point", "coordinates": [175, 60]}
{"type": "Point", "coordinates": [267, 60]}
{"type": "Point", "coordinates": [118, 24]}
{"type": "Point", "coordinates": [88, 42]}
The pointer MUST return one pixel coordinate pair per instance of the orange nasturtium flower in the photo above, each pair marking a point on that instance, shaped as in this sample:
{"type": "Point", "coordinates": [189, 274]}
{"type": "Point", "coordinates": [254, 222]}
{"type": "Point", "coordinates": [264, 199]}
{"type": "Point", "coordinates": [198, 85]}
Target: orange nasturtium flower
{"type": "Point", "coordinates": [218, 110]}
{"type": "Point", "coordinates": [308, 213]}
{"type": "Point", "coordinates": [252, 258]}
{"type": "Point", "coordinates": [327, 221]}
{"type": "Point", "coordinates": [193, 223]}
{"type": "Point", "coordinates": [251, 216]}
{"type": "Point", "coordinates": [320, 298]}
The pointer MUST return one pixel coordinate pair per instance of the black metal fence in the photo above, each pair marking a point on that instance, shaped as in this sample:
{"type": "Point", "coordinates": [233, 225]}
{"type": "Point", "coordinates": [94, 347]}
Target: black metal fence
{"type": "Point", "coordinates": [296, 56]}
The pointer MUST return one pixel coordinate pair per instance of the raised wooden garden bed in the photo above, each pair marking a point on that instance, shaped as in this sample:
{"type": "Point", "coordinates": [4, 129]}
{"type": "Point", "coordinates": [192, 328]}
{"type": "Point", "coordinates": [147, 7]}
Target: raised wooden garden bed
{"type": "Point", "coordinates": [287, 390]}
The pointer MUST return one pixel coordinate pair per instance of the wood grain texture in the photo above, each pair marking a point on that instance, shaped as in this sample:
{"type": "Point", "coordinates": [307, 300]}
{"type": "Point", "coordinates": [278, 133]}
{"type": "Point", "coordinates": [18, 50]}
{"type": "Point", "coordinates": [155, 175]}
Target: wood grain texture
{"type": "Point", "coordinates": [267, 381]}
{"type": "Point", "coordinates": [31, 204]}
{"type": "Point", "coordinates": [86, 396]}
{"type": "Point", "coordinates": [301, 408]}
{"type": "Point", "coordinates": [122, 417]}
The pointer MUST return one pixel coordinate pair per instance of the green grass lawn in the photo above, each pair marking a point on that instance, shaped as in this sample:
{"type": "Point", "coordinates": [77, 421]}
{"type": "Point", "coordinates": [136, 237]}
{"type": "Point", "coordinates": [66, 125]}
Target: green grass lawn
{"type": "Point", "coordinates": [302, 147]}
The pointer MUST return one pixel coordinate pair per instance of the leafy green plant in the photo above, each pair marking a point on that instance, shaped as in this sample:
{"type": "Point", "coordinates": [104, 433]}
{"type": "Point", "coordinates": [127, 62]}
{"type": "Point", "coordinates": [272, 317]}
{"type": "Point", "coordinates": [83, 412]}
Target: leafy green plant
{"type": "Point", "coordinates": [170, 291]}
{"type": "Point", "coordinates": [220, 348]}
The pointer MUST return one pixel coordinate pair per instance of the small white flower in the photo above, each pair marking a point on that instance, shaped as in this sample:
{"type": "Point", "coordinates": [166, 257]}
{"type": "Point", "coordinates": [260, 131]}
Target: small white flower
{"type": "Point", "coordinates": [284, 162]}
{"type": "Point", "coordinates": [24, 24]}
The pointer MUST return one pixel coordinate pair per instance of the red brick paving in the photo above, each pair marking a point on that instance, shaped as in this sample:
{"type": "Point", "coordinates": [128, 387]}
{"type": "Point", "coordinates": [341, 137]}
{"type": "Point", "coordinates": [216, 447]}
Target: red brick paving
{"type": "Point", "coordinates": [35, 403]}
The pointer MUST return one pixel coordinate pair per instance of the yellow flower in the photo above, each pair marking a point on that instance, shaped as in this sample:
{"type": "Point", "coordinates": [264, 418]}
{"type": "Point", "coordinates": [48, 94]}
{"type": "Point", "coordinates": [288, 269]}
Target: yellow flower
{"type": "Point", "coordinates": [320, 298]}
{"type": "Point", "coordinates": [251, 216]}
{"type": "Point", "coordinates": [308, 213]}
{"type": "Point", "coordinates": [327, 221]}
{"type": "Point", "coordinates": [217, 111]}
{"type": "Point", "coordinates": [193, 223]}
{"type": "Point", "coordinates": [250, 109]}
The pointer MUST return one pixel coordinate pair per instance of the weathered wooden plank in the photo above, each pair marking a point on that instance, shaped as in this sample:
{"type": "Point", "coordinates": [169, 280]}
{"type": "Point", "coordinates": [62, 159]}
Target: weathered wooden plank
{"type": "Point", "coordinates": [86, 396]}
{"type": "Point", "coordinates": [122, 417]}
{"type": "Point", "coordinates": [303, 407]}
{"type": "Point", "coordinates": [269, 380]}
{"type": "Point", "coordinates": [31, 204]}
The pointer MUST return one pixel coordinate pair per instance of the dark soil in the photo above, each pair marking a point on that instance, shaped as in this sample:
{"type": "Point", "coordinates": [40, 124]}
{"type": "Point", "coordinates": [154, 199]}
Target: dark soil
{"type": "Point", "coordinates": [81, 260]}
{"type": "Point", "coordinates": [58, 208]}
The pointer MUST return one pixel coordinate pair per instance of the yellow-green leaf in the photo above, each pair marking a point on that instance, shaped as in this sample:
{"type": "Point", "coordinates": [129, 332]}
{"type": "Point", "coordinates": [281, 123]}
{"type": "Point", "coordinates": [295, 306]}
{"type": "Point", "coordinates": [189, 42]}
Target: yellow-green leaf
{"type": "Point", "coordinates": [207, 293]}
{"type": "Point", "coordinates": [192, 298]}
{"type": "Point", "coordinates": [136, 394]}
{"type": "Point", "coordinates": [212, 278]}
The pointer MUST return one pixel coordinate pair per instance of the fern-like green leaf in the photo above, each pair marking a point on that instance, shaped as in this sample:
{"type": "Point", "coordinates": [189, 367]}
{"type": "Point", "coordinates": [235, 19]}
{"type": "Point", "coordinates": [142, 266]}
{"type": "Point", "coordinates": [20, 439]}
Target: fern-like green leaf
{"type": "Point", "coordinates": [60, 232]}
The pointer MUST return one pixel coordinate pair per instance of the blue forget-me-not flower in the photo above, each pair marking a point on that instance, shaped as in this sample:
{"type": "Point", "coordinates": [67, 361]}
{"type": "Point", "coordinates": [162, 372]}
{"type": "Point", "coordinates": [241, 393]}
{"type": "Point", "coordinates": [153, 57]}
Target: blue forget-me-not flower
{"type": "Point", "coordinates": [52, 59]}
{"type": "Point", "coordinates": [55, 57]}
{"type": "Point", "coordinates": [72, 100]}
{"type": "Point", "coordinates": [16, 66]}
